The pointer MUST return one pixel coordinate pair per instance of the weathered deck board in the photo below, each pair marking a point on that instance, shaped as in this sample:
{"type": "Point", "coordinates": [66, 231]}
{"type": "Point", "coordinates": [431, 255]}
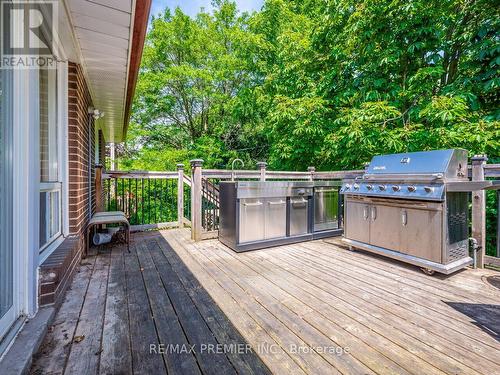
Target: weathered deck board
{"type": "Point", "coordinates": [291, 314]}
{"type": "Point", "coordinates": [122, 303]}
{"type": "Point", "coordinates": [384, 321]}
{"type": "Point", "coordinates": [194, 326]}
{"type": "Point", "coordinates": [53, 354]}
{"type": "Point", "coordinates": [332, 298]}
{"type": "Point", "coordinates": [400, 294]}
{"type": "Point", "coordinates": [116, 355]}
{"type": "Point", "coordinates": [405, 318]}
{"type": "Point", "coordinates": [169, 328]}
{"type": "Point", "coordinates": [215, 318]}
{"type": "Point", "coordinates": [274, 356]}
{"type": "Point", "coordinates": [84, 355]}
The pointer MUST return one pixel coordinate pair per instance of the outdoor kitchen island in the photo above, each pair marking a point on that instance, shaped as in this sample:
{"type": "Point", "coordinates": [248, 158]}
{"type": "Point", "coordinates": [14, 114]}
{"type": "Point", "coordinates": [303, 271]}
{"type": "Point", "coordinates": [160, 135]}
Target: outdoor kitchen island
{"type": "Point", "coordinates": [258, 214]}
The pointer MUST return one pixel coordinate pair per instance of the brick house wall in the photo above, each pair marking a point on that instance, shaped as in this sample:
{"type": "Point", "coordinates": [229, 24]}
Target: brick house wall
{"type": "Point", "coordinates": [79, 101]}
{"type": "Point", "coordinates": [57, 270]}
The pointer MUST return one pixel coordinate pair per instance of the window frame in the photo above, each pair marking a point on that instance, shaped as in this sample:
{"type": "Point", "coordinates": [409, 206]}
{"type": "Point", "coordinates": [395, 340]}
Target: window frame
{"type": "Point", "coordinates": [52, 187]}
{"type": "Point", "coordinates": [62, 185]}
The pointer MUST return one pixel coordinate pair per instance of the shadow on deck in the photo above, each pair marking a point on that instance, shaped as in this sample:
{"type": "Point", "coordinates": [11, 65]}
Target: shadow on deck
{"type": "Point", "coordinates": [142, 312]}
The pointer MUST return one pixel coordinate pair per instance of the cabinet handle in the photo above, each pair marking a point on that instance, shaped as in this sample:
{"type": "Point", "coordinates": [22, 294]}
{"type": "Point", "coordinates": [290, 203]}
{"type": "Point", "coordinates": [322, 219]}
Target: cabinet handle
{"type": "Point", "coordinates": [404, 217]}
{"type": "Point", "coordinates": [374, 213]}
{"type": "Point", "coordinates": [365, 212]}
{"type": "Point", "coordinates": [252, 204]}
{"type": "Point", "coordinates": [302, 201]}
{"type": "Point", "coordinates": [276, 203]}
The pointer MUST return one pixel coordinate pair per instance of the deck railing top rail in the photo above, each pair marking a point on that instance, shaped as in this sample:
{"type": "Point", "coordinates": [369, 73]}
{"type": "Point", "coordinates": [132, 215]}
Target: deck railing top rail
{"type": "Point", "coordinates": [490, 171]}
{"type": "Point", "coordinates": [138, 174]}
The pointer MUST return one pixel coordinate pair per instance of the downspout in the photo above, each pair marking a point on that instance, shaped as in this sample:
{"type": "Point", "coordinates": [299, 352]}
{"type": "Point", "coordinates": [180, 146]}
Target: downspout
{"type": "Point", "coordinates": [94, 114]}
{"type": "Point", "coordinates": [89, 152]}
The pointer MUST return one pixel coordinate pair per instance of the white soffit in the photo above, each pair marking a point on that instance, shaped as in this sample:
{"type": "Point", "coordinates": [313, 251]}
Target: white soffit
{"type": "Point", "coordinates": [103, 31]}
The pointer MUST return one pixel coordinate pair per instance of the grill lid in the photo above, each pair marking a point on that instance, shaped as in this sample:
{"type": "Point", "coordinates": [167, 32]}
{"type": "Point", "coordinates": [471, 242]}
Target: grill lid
{"type": "Point", "coordinates": [424, 175]}
{"type": "Point", "coordinates": [412, 175]}
{"type": "Point", "coordinates": [449, 164]}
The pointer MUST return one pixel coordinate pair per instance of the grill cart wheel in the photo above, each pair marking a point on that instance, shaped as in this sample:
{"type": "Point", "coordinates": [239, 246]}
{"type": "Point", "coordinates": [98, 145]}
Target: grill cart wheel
{"type": "Point", "coordinates": [428, 271]}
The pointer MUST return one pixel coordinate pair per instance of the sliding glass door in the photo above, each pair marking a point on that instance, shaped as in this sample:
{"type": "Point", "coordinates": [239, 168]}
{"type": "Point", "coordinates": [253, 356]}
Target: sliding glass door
{"type": "Point", "coordinates": [8, 311]}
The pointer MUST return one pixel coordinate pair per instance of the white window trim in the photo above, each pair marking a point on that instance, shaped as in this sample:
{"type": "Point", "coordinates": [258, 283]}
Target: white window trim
{"type": "Point", "coordinates": [48, 248]}
{"type": "Point", "coordinates": [26, 192]}
{"type": "Point", "coordinates": [62, 152]}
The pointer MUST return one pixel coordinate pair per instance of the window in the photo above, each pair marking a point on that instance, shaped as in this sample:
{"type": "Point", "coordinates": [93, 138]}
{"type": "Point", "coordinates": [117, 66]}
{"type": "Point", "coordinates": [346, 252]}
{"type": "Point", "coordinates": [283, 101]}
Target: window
{"type": "Point", "coordinates": [48, 126]}
{"type": "Point", "coordinates": [50, 183]}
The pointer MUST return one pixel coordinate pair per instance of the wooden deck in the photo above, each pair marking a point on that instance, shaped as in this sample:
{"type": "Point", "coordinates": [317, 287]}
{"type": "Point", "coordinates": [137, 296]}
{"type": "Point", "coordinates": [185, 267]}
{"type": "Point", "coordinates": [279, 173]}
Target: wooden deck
{"type": "Point", "coordinates": [313, 307]}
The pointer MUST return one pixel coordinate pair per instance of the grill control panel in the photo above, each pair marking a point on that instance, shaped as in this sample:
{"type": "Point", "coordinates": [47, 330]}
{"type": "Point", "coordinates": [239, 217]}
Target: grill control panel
{"type": "Point", "coordinates": [395, 190]}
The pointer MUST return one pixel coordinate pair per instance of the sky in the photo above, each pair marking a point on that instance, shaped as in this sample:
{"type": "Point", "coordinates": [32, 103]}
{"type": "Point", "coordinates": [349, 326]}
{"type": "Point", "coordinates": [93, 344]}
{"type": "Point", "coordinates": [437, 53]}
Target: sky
{"type": "Point", "coordinates": [192, 7]}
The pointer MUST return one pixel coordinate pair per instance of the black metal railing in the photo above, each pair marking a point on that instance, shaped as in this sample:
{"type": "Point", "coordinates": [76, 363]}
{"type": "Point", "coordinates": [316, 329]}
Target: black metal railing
{"type": "Point", "coordinates": [187, 202]}
{"type": "Point", "coordinates": [143, 200]}
{"type": "Point", "coordinates": [210, 204]}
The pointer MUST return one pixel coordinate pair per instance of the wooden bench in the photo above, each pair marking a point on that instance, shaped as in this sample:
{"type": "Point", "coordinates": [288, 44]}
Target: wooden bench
{"type": "Point", "coordinates": [111, 217]}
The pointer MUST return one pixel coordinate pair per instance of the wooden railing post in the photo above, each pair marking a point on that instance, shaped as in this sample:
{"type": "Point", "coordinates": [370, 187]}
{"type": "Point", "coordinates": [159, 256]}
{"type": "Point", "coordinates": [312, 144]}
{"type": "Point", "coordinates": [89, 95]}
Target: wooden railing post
{"type": "Point", "coordinates": [311, 170]}
{"type": "Point", "coordinates": [262, 168]}
{"type": "Point", "coordinates": [196, 199]}
{"type": "Point", "coordinates": [479, 208]}
{"type": "Point", "coordinates": [99, 203]}
{"type": "Point", "coordinates": [180, 195]}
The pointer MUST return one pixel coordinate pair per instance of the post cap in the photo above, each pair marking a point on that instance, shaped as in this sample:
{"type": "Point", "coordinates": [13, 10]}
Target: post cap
{"type": "Point", "coordinates": [311, 169]}
{"type": "Point", "coordinates": [196, 162]}
{"type": "Point", "coordinates": [479, 158]}
{"type": "Point", "coordinates": [180, 166]}
{"type": "Point", "coordinates": [261, 164]}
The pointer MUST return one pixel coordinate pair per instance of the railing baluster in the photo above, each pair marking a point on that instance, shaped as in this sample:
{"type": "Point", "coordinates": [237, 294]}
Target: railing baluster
{"type": "Point", "coordinates": [136, 209]}
{"type": "Point", "coordinates": [155, 202]}
{"type": "Point", "coordinates": [108, 203]}
{"type": "Point", "coordinates": [162, 208]}
{"type": "Point", "coordinates": [123, 195]}
{"type": "Point", "coordinates": [173, 197]}
{"type": "Point", "coordinates": [128, 198]}
{"type": "Point", "coordinates": [214, 207]}
{"type": "Point", "coordinates": [148, 201]}
{"type": "Point", "coordinates": [116, 195]}
{"type": "Point", "coordinates": [168, 200]}
{"type": "Point", "coordinates": [142, 201]}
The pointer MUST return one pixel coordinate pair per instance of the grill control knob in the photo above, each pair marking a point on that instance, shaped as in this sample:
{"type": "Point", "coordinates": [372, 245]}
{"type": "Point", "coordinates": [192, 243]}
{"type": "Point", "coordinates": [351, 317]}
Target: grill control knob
{"type": "Point", "coordinates": [356, 186]}
{"type": "Point", "coordinates": [411, 189]}
{"type": "Point", "coordinates": [382, 187]}
{"type": "Point", "coordinates": [347, 186]}
{"type": "Point", "coordinates": [396, 187]}
{"type": "Point", "coordinates": [428, 189]}
{"type": "Point", "coordinates": [369, 187]}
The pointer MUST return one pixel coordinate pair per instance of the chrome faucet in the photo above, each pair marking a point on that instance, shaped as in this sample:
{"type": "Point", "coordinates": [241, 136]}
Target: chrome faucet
{"type": "Point", "coordinates": [232, 167]}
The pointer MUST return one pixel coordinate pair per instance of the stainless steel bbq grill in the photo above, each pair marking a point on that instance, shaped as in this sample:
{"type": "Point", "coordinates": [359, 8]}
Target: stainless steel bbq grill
{"type": "Point", "coordinates": [413, 207]}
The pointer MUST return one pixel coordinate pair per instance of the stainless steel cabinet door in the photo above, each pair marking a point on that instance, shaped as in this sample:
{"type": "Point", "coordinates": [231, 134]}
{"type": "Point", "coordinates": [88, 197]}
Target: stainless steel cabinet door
{"type": "Point", "coordinates": [251, 220]}
{"type": "Point", "coordinates": [326, 208]}
{"type": "Point", "coordinates": [298, 216]}
{"type": "Point", "coordinates": [421, 233]}
{"type": "Point", "coordinates": [275, 222]}
{"type": "Point", "coordinates": [357, 224]}
{"type": "Point", "coordinates": [385, 227]}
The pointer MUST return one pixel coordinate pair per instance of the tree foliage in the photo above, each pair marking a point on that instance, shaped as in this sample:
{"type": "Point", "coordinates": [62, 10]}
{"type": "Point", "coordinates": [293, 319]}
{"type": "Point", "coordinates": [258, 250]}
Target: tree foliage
{"type": "Point", "coordinates": [327, 83]}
